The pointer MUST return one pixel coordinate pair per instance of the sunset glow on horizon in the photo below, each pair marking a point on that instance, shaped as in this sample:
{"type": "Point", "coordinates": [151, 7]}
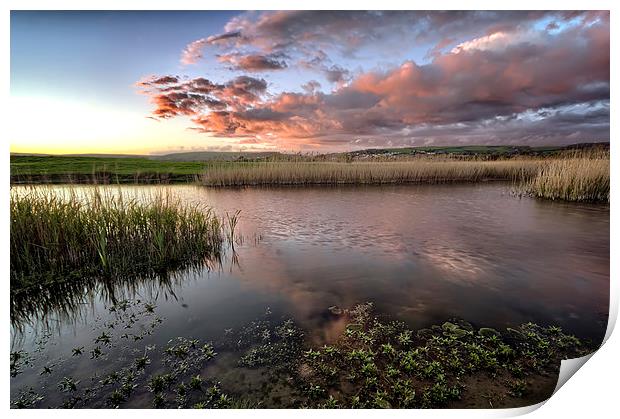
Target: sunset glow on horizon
{"type": "Point", "coordinates": [160, 82]}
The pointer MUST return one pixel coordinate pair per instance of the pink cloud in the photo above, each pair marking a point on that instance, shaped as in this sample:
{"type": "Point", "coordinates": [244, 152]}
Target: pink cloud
{"type": "Point", "coordinates": [507, 74]}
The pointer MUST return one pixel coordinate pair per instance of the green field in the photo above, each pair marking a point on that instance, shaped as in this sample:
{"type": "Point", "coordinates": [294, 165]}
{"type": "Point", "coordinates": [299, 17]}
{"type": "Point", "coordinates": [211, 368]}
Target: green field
{"type": "Point", "coordinates": [64, 168]}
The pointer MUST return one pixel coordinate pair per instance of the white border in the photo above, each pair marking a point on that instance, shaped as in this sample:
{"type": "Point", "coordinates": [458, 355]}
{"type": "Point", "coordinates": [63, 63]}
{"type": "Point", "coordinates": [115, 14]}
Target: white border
{"type": "Point", "coordinates": [593, 392]}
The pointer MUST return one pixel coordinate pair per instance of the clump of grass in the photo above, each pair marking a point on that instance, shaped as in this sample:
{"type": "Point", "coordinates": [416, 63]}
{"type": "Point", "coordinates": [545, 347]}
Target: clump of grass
{"type": "Point", "coordinates": [104, 234]}
{"type": "Point", "coordinates": [231, 221]}
{"type": "Point", "coordinates": [326, 173]}
{"type": "Point", "coordinates": [579, 178]}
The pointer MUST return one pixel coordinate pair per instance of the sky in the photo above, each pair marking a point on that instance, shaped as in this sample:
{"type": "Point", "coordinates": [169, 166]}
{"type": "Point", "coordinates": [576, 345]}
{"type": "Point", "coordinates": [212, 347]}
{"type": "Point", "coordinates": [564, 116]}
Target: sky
{"type": "Point", "coordinates": [159, 82]}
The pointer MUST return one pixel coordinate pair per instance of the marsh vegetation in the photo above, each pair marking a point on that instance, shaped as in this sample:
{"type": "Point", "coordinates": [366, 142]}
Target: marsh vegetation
{"type": "Point", "coordinates": [376, 362]}
{"type": "Point", "coordinates": [571, 173]}
{"type": "Point", "coordinates": [335, 173]}
{"type": "Point", "coordinates": [381, 363]}
{"type": "Point", "coordinates": [57, 237]}
{"type": "Point", "coordinates": [581, 176]}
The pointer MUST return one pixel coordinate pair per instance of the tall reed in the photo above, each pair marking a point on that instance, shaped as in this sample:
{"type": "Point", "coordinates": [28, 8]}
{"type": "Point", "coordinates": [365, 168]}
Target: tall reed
{"type": "Point", "coordinates": [572, 179]}
{"type": "Point", "coordinates": [421, 171]}
{"type": "Point", "coordinates": [58, 237]}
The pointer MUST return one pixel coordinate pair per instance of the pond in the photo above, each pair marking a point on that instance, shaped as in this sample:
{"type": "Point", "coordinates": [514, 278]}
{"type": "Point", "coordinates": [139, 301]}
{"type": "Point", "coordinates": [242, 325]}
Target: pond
{"type": "Point", "coordinates": [421, 253]}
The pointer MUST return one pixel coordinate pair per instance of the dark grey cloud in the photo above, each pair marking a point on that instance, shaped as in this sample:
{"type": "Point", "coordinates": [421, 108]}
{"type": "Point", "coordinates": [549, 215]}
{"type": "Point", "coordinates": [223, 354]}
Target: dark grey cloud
{"type": "Point", "coordinates": [253, 62]}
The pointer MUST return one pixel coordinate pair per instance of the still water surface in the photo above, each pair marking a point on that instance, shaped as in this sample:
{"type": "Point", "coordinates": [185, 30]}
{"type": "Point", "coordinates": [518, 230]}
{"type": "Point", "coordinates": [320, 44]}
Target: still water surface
{"type": "Point", "coordinates": [422, 254]}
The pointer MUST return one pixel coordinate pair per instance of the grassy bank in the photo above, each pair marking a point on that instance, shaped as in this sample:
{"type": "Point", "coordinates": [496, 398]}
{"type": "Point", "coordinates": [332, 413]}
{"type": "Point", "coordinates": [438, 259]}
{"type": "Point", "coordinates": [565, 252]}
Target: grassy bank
{"type": "Point", "coordinates": [56, 237]}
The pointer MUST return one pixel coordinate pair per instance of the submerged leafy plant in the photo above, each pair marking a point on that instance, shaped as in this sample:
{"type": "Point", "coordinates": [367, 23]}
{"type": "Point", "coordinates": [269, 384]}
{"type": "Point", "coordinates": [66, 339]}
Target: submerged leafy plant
{"type": "Point", "coordinates": [19, 359]}
{"type": "Point", "coordinates": [374, 364]}
{"type": "Point", "coordinates": [27, 399]}
{"type": "Point", "coordinates": [68, 384]}
{"type": "Point", "coordinates": [387, 365]}
{"type": "Point", "coordinates": [517, 388]}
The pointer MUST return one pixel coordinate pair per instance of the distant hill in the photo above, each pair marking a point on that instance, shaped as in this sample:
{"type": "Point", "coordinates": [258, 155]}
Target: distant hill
{"type": "Point", "coordinates": [214, 155]}
{"type": "Point", "coordinates": [93, 155]}
{"type": "Point", "coordinates": [472, 150]}
{"type": "Point", "coordinates": [107, 156]}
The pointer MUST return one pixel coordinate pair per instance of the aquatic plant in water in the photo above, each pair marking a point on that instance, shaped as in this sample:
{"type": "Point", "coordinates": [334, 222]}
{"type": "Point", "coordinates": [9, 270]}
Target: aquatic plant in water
{"type": "Point", "coordinates": [65, 246]}
{"type": "Point", "coordinates": [384, 364]}
{"type": "Point", "coordinates": [105, 234]}
{"type": "Point", "coordinates": [574, 179]}
{"type": "Point", "coordinates": [375, 363]}
{"type": "Point", "coordinates": [334, 173]}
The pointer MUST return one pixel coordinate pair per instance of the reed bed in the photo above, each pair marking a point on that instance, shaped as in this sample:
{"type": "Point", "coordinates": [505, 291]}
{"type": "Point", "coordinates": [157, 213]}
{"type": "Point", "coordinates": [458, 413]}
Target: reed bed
{"type": "Point", "coordinates": [571, 179]}
{"type": "Point", "coordinates": [325, 173]}
{"type": "Point", "coordinates": [56, 237]}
